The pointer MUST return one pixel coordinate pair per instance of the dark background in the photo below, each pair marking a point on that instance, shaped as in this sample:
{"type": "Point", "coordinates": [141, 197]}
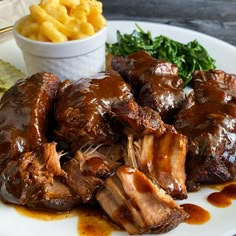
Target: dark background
{"type": "Point", "coordinates": [213, 17]}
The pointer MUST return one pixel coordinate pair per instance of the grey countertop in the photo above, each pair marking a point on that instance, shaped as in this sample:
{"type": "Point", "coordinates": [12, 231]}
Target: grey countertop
{"type": "Point", "coordinates": [213, 17]}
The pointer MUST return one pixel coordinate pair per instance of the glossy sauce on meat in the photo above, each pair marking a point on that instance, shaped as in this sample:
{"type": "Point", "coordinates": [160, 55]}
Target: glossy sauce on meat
{"type": "Point", "coordinates": [209, 121]}
{"type": "Point", "coordinates": [200, 121]}
{"type": "Point", "coordinates": [162, 93]}
{"type": "Point", "coordinates": [142, 184]}
{"type": "Point", "coordinates": [25, 114]}
{"type": "Point", "coordinates": [219, 76]}
{"type": "Point", "coordinates": [128, 196]}
{"type": "Point", "coordinates": [155, 82]}
{"type": "Point", "coordinates": [169, 155]}
{"type": "Point", "coordinates": [81, 109]}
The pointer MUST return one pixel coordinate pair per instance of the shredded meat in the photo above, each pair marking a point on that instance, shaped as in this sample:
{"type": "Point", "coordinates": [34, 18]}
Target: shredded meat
{"type": "Point", "coordinates": [154, 147]}
{"type": "Point", "coordinates": [137, 205]}
{"type": "Point", "coordinates": [162, 159]}
{"type": "Point", "coordinates": [93, 141]}
{"type": "Point", "coordinates": [86, 173]}
{"type": "Point", "coordinates": [34, 180]}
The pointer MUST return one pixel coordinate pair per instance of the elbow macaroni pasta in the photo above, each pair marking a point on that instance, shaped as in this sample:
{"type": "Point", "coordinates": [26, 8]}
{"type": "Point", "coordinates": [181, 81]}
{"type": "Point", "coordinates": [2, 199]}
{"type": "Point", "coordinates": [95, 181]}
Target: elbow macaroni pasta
{"type": "Point", "coordinates": [63, 20]}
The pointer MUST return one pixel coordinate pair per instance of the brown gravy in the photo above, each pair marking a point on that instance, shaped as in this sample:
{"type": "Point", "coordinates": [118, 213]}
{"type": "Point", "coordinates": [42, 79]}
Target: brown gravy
{"type": "Point", "coordinates": [93, 223]}
{"type": "Point", "coordinates": [197, 215]}
{"type": "Point", "coordinates": [90, 220]}
{"type": "Point", "coordinates": [219, 187]}
{"type": "Point", "coordinates": [42, 215]}
{"type": "Point", "coordinates": [224, 197]}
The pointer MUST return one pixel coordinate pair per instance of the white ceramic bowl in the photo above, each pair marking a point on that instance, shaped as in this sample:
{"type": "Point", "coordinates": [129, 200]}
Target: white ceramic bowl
{"type": "Point", "coordinates": [68, 60]}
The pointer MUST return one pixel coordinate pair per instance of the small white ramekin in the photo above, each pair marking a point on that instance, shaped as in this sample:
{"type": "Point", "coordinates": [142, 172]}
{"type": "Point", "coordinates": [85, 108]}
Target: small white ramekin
{"type": "Point", "coordinates": [68, 60]}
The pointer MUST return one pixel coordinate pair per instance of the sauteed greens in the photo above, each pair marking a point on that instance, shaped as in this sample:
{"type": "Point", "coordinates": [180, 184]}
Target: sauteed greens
{"type": "Point", "coordinates": [188, 57]}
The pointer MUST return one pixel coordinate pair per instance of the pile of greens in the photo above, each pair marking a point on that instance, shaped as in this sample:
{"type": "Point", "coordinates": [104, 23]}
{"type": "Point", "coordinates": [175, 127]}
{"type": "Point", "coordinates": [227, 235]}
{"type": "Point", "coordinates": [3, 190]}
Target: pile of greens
{"type": "Point", "coordinates": [187, 57]}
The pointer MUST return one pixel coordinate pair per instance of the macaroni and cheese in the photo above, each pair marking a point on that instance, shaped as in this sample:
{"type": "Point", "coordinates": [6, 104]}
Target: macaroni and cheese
{"type": "Point", "coordinates": [63, 20]}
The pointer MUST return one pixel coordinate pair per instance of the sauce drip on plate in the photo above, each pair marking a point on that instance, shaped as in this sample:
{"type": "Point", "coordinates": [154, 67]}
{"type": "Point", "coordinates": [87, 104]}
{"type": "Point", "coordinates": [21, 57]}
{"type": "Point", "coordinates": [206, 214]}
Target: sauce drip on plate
{"type": "Point", "coordinates": [224, 197]}
{"type": "Point", "coordinates": [42, 215]}
{"type": "Point", "coordinates": [197, 215]}
{"type": "Point", "coordinates": [91, 221]}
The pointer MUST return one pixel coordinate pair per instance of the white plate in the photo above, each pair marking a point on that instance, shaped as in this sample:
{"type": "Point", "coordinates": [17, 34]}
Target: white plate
{"type": "Point", "coordinates": [222, 222]}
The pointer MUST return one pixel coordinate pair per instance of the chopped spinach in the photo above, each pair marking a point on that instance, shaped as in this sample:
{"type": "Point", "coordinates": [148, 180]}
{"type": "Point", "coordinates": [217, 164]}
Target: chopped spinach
{"type": "Point", "coordinates": [187, 57]}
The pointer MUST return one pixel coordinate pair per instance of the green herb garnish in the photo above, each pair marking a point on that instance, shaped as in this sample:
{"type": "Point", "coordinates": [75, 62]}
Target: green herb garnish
{"type": "Point", "coordinates": [187, 57]}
